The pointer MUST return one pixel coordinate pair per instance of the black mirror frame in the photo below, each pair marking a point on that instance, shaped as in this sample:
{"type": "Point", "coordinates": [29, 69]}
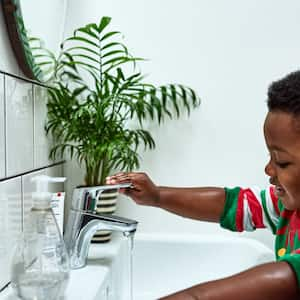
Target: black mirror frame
{"type": "Point", "coordinates": [19, 39]}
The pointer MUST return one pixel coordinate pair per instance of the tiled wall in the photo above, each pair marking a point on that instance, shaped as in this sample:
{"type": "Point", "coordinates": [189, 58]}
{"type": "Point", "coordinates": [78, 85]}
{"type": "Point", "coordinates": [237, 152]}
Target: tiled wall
{"type": "Point", "coordinates": [24, 152]}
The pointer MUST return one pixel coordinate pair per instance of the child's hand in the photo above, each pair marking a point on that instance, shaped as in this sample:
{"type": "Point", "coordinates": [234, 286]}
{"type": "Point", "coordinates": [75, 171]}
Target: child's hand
{"type": "Point", "coordinates": [143, 191]}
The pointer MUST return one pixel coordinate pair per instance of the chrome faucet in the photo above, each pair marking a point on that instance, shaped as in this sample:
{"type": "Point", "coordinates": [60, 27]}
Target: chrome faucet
{"type": "Point", "coordinates": [83, 222]}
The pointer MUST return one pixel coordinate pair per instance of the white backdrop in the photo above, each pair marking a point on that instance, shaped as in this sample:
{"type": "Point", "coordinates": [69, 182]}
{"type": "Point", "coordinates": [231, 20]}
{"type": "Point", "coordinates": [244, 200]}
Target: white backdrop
{"type": "Point", "coordinates": [229, 52]}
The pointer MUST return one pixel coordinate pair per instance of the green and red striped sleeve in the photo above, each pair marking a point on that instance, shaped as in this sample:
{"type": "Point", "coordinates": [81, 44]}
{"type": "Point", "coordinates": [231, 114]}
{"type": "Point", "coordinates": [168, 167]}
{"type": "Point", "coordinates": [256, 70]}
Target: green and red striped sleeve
{"type": "Point", "coordinates": [250, 208]}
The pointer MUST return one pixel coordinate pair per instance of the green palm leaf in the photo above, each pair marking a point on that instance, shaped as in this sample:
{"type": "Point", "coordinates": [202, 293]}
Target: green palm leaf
{"type": "Point", "coordinates": [97, 94]}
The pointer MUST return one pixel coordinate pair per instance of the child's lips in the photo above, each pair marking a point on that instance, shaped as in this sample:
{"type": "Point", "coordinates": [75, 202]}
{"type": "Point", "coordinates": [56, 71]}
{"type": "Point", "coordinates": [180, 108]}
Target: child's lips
{"type": "Point", "coordinates": [279, 191]}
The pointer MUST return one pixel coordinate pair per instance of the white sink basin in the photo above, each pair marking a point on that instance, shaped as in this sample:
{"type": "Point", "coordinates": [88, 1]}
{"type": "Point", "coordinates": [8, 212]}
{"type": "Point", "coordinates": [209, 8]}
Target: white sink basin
{"type": "Point", "coordinates": [164, 264]}
{"type": "Point", "coordinates": [158, 260]}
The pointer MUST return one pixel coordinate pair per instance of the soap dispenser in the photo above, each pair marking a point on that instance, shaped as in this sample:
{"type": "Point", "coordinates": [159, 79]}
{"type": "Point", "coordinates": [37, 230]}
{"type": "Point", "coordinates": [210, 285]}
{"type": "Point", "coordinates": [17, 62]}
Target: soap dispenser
{"type": "Point", "coordinates": [40, 265]}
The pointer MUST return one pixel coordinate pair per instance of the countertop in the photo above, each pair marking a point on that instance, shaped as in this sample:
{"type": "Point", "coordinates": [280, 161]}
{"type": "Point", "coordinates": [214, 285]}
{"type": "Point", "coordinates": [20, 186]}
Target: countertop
{"type": "Point", "coordinates": [86, 283]}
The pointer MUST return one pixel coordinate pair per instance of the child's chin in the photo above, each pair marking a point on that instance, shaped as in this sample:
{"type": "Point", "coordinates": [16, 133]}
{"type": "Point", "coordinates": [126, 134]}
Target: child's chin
{"type": "Point", "coordinates": [289, 203]}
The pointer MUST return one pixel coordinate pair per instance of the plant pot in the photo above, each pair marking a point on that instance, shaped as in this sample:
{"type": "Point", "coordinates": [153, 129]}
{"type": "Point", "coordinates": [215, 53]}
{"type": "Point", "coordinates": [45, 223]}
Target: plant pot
{"type": "Point", "coordinates": [106, 203]}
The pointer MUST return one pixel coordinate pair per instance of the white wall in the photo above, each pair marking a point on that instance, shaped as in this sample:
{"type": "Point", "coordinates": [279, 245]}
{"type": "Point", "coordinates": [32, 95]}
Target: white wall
{"type": "Point", "coordinates": [229, 52]}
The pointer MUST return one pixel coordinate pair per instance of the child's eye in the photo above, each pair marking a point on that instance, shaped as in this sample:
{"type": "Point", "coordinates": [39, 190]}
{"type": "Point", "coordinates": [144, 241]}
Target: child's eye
{"type": "Point", "coordinates": [282, 165]}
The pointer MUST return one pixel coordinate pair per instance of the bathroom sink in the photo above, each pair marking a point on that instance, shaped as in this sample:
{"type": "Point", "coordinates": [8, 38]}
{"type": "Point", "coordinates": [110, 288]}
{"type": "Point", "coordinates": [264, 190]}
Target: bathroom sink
{"type": "Point", "coordinates": [156, 259]}
{"type": "Point", "coordinates": [149, 271]}
{"type": "Point", "coordinates": [90, 283]}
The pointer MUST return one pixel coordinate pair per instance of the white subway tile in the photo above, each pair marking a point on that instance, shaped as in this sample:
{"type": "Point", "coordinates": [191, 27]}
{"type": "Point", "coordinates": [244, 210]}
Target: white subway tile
{"type": "Point", "coordinates": [42, 143]}
{"type": "Point", "coordinates": [19, 126]}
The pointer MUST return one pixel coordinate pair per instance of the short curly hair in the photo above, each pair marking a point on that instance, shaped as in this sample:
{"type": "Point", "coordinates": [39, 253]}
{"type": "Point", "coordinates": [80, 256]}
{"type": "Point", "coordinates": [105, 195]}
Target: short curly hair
{"type": "Point", "coordinates": [284, 94]}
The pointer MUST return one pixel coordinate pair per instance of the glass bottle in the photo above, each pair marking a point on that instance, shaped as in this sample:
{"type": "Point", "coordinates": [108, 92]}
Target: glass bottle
{"type": "Point", "coordinates": [40, 265]}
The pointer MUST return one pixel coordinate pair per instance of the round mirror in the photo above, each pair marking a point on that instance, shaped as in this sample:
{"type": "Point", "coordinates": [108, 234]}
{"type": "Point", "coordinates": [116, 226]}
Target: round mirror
{"type": "Point", "coordinates": [32, 25]}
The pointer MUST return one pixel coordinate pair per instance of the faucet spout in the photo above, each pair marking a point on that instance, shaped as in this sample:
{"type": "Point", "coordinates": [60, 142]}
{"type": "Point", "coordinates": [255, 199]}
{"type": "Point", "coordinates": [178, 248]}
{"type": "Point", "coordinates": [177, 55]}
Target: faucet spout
{"type": "Point", "coordinates": [109, 222]}
{"type": "Point", "coordinates": [83, 224]}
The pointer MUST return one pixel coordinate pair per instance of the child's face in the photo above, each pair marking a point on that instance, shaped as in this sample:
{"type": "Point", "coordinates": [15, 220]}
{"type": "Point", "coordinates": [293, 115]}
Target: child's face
{"type": "Point", "coordinates": [282, 136]}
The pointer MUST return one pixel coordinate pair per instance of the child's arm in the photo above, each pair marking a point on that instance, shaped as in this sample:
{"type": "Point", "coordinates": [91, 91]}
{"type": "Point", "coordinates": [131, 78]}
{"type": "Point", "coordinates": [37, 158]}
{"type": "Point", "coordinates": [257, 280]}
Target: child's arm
{"type": "Point", "coordinates": [206, 204]}
{"type": "Point", "coordinates": [203, 203]}
{"type": "Point", "coordinates": [275, 281]}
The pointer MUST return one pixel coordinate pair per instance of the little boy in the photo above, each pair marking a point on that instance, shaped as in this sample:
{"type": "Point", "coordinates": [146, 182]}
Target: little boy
{"type": "Point", "coordinates": [238, 209]}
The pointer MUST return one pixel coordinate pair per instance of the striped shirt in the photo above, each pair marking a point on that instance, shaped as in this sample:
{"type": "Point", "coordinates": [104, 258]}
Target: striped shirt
{"type": "Point", "coordinates": [251, 208]}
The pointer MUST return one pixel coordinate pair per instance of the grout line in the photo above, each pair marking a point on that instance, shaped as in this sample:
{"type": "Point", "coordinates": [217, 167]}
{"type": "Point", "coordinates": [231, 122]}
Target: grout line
{"type": "Point", "coordinates": [23, 205]}
{"type": "Point", "coordinates": [33, 170]}
{"type": "Point", "coordinates": [25, 79]}
{"type": "Point", "coordinates": [4, 287]}
{"type": "Point", "coordinates": [33, 90]}
{"type": "Point", "coordinates": [5, 124]}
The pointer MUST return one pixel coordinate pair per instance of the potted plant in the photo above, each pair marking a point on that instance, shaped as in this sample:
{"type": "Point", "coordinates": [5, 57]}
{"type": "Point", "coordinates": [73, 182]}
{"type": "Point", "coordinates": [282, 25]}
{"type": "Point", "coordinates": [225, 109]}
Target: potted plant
{"type": "Point", "coordinates": [100, 101]}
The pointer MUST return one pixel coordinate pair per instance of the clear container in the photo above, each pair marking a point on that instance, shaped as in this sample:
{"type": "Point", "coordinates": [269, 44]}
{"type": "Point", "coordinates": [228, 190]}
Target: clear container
{"type": "Point", "coordinates": [40, 265]}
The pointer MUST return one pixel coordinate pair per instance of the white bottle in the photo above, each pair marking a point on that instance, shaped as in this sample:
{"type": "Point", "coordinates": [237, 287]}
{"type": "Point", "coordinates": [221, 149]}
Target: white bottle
{"type": "Point", "coordinates": [40, 266]}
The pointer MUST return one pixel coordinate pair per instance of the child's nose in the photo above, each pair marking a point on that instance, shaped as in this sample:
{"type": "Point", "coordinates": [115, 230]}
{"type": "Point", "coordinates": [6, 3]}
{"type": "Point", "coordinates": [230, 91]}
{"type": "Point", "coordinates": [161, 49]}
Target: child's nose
{"type": "Point", "coordinates": [269, 169]}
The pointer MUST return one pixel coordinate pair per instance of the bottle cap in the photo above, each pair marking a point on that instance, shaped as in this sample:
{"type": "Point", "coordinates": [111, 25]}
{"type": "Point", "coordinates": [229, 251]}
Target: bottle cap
{"type": "Point", "coordinates": [41, 197]}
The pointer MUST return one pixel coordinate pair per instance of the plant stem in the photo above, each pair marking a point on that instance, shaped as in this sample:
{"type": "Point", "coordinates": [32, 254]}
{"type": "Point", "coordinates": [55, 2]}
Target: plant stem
{"type": "Point", "coordinates": [96, 175]}
{"type": "Point", "coordinates": [104, 169]}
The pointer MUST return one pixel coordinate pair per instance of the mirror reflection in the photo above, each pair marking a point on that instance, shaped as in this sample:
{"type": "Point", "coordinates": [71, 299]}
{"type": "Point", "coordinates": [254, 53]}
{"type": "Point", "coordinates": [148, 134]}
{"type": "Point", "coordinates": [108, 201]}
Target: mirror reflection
{"type": "Point", "coordinates": [37, 24]}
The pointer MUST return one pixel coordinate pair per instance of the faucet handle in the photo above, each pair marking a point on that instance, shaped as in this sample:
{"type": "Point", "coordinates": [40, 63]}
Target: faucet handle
{"type": "Point", "coordinates": [85, 198]}
{"type": "Point", "coordinates": [122, 185]}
